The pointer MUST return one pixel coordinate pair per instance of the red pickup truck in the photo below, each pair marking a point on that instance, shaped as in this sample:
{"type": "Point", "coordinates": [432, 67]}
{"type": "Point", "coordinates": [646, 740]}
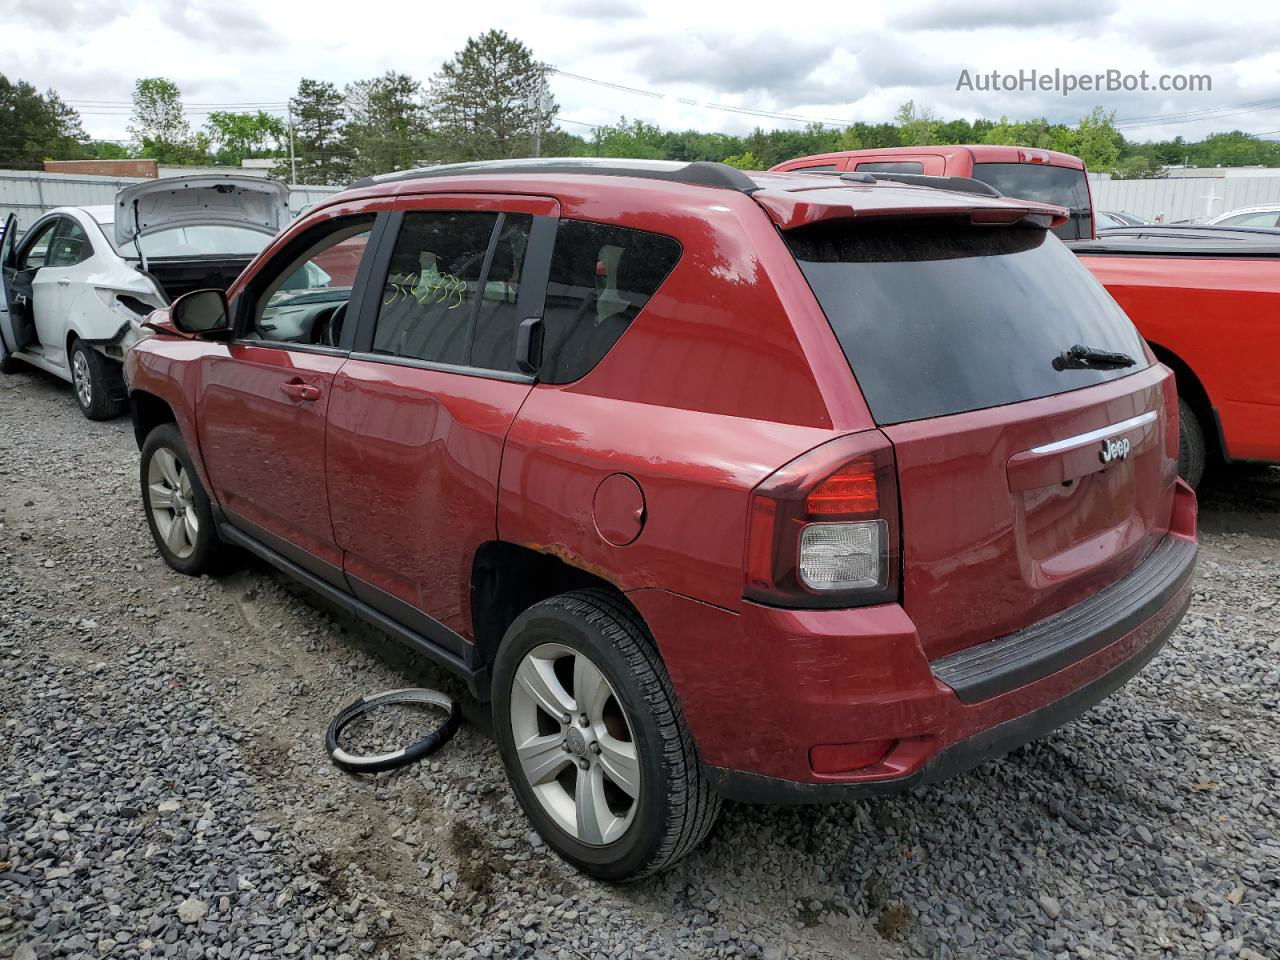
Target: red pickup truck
{"type": "Point", "coordinates": [1207, 301]}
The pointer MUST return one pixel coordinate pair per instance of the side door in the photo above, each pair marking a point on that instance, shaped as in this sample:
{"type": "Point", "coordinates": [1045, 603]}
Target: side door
{"type": "Point", "coordinates": [9, 323]}
{"type": "Point", "coordinates": [60, 286]}
{"type": "Point", "coordinates": [421, 409]}
{"type": "Point", "coordinates": [21, 269]}
{"type": "Point", "coordinates": [262, 401]}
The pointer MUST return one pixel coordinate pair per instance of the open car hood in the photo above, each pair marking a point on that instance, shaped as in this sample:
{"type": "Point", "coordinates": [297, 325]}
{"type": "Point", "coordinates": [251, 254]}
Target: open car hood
{"type": "Point", "coordinates": [255, 203]}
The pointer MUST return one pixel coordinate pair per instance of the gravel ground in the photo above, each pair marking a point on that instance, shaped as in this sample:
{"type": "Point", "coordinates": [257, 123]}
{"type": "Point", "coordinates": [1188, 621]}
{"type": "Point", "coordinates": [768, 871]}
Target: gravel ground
{"type": "Point", "coordinates": [164, 790]}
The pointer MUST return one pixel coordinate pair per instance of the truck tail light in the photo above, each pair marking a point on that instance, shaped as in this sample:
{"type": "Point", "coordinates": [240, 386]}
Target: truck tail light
{"type": "Point", "coordinates": [824, 531]}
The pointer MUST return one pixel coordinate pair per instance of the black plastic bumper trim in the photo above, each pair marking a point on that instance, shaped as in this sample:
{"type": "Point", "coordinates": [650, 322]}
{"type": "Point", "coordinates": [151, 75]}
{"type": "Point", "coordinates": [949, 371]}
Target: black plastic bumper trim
{"type": "Point", "coordinates": [998, 666]}
{"type": "Point", "coordinates": [960, 756]}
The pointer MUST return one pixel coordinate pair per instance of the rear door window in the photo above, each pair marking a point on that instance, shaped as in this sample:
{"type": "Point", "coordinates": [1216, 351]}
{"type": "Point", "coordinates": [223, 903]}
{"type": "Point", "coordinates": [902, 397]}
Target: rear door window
{"type": "Point", "coordinates": [938, 318]}
{"type": "Point", "coordinates": [601, 278]}
{"type": "Point", "coordinates": [891, 166]}
{"type": "Point", "coordinates": [433, 286]}
{"type": "Point", "coordinates": [70, 245]}
{"type": "Point", "coordinates": [1048, 184]}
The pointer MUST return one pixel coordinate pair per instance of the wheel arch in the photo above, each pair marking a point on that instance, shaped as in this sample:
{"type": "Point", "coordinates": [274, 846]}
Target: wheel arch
{"type": "Point", "coordinates": [1192, 390]}
{"type": "Point", "coordinates": [507, 579]}
{"type": "Point", "coordinates": [148, 411]}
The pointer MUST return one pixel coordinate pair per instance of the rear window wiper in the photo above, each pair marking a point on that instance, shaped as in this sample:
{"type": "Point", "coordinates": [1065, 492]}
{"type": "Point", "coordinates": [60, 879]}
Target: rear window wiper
{"type": "Point", "coordinates": [1081, 357]}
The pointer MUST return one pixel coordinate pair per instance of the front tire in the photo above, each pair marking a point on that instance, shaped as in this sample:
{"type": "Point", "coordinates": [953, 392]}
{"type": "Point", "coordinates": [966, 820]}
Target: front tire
{"type": "Point", "coordinates": [98, 383]}
{"type": "Point", "coordinates": [594, 741]}
{"type": "Point", "coordinates": [1191, 447]}
{"type": "Point", "coordinates": [177, 508]}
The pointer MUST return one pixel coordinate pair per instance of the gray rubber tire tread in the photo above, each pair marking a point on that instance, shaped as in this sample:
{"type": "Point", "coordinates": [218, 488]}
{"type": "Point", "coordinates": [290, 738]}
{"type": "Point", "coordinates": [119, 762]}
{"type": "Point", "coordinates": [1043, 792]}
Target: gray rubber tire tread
{"type": "Point", "coordinates": [107, 378]}
{"type": "Point", "coordinates": [1191, 446]}
{"type": "Point", "coordinates": [692, 804]}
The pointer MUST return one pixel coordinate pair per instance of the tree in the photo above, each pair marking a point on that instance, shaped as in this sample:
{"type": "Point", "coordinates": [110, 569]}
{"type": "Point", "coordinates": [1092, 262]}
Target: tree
{"type": "Point", "coordinates": [1139, 166]}
{"type": "Point", "coordinates": [386, 126]}
{"type": "Point", "coordinates": [629, 138]}
{"type": "Point", "coordinates": [1097, 140]}
{"type": "Point", "coordinates": [491, 100]}
{"type": "Point", "coordinates": [744, 161]}
{"type": "Point", "coordinates": [318, 112]}
{"type": "Point", "coordinates": [240, 136]}
{"type": "Point", "coordinates": [159, 124]}
{"type": "Point", "coordinates": [915, 124]}
{"type": "Point", "coordinates": [35, 127]}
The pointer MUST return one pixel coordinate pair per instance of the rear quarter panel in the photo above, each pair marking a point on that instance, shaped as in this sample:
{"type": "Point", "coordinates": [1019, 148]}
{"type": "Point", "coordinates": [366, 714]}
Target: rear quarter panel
{"type": "Point", "coordinates": [1221, 317]}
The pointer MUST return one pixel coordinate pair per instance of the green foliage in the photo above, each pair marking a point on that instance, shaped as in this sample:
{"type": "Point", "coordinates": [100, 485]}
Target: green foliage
{"type": "Point", "coordinates": [635, 139]}
{"type": "Point", "coordinates": [387, 126]}
{"type": "Point", "coordinates": [1139, 166]}
{"type": "Point", "coordinates": [241, 136]}
{"type": "Point", "coordinates": [744, 161]}
{"type": "Point", "coordinates": [491, 101]}
{"type": "Point", "coordinates": [159, 125]}
{"type": "Point", "coordinates": [1098, 142]}
{"type": "Point", "coordinates": [35, 127]}
{"type": "Point", "coordinates": [915, 125]}
{"type": "Point", "coordinates": [319, 110]}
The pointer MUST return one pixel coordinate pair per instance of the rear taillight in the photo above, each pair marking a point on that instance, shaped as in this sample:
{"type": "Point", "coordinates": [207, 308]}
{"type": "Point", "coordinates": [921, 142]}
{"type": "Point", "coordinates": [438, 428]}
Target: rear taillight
{"type": "Point", "coordinates": [824, 530]}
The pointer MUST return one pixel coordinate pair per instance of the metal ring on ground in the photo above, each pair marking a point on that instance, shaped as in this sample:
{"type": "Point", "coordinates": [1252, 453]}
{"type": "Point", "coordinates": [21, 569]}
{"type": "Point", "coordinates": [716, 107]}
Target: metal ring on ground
{"type": "Point", "coordinates": [375, 763]}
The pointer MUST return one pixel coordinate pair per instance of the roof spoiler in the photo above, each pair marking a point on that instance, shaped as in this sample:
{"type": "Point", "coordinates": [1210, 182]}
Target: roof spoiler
{"type": "Point", "coordinates": [959, 184]}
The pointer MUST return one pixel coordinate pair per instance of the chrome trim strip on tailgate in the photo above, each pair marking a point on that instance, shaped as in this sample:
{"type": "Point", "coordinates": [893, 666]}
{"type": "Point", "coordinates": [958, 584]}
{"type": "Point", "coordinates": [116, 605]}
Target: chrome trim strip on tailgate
{"type": "Point", "coordinates": [1094, 435]}
{"type": "Point", "coordinates": [1031, 654]}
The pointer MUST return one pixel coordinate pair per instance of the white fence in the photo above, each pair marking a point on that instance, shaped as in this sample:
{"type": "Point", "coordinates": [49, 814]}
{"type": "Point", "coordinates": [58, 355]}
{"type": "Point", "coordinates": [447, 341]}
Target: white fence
{"type": "Point", "coordinates": [1176, 199]}
{"type": "Point", "coordinates": [28, 194]}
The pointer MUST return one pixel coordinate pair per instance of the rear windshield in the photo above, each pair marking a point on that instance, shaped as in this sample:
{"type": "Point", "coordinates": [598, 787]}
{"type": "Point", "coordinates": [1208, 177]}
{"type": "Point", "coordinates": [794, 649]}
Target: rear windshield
{"type": "Point", "coordinates": [938, 319]}
{"type": "Point", "coordinates": [205, 240]}
{"type": "Point", "coordinates": [1037, 181]}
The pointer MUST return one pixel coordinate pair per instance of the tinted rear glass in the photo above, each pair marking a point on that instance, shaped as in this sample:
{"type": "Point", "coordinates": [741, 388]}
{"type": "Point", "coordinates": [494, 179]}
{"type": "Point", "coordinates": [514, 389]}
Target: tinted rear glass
{"type": "Point", "coordinates": [1037, 181]}
{"type": "Point", "coordinates": [891, 166]}
{"type": "Point", "coordinates": [938, 319]}
{"type": "Point", "coordinates": [601, 278]}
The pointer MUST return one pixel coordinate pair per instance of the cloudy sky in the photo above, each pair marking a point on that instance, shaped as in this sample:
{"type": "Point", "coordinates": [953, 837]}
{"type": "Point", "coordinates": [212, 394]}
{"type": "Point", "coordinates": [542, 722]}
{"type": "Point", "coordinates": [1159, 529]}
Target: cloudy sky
{"type": "Point", "coordinates": [841, 62]}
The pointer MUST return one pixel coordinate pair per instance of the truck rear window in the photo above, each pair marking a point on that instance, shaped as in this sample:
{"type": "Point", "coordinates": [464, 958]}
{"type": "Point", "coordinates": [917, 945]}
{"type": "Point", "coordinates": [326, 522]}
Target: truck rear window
{"type": "Point", "coordinates": [1048, 184]}
{"type": "Point", "coordinates": [939, 318]}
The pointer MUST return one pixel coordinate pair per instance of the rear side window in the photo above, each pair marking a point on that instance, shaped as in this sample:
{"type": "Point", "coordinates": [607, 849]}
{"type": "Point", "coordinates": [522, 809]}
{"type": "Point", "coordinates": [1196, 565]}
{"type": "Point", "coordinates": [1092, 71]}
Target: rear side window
{"type": "Point", "coordinates": [601, 278]}
{"type": "Point", "coordinates": [891, 166]}
{"type": "Point", "coordinates": [70, 245]}
{"type": "Point", "coordinates": [1038, 181]}
{"type": "Point", "coordinates": [819, 168]}
{"type": "Point", "coordinates": [937, 319]}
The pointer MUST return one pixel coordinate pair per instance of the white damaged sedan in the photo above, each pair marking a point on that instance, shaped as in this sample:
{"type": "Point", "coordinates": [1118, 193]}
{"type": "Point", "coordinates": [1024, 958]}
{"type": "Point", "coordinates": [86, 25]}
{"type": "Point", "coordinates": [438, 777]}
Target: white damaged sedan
{"type": "Point", "coordinates": [79, 283]}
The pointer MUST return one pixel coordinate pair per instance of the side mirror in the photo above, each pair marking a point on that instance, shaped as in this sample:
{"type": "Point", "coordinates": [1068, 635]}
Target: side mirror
{"type": "Point", "coordinates": [201, 312]}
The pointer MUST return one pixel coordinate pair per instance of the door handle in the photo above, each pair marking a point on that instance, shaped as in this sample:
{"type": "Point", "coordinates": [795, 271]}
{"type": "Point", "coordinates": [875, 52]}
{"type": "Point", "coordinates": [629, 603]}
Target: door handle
{"type": "Point", "coordinates": [64, 282]}
{"type": "Point", "coordinates": [298, 390]}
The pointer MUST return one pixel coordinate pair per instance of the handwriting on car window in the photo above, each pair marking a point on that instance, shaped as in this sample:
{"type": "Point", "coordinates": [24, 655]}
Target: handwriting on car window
{"type": "Point", "coordinates": [425, 288]}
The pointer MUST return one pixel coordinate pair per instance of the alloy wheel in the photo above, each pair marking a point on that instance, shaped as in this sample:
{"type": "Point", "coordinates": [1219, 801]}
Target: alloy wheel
{"type": "Point", "coordinates": [172, 504]}
{"type": "Point", "coordinates": [575, 744]}
{"type": "Point", "coordinates": [83, 381]}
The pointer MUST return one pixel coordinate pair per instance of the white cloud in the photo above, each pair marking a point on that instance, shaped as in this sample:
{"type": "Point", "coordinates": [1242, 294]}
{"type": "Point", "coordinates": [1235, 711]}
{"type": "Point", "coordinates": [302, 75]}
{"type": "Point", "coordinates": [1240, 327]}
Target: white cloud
{"type": "Point", "coordinates": [851, 62]}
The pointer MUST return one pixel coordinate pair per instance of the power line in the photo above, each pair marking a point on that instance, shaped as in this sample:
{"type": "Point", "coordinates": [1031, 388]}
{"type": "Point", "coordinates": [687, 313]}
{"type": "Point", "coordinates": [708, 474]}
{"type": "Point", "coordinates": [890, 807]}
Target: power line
{"type": "Point", "coordinates": [687, 101]}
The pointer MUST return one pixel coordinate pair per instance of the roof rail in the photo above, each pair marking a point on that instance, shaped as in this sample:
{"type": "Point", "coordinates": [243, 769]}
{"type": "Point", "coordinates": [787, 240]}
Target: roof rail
{"type": "Point", "coordinates": [699, 172]}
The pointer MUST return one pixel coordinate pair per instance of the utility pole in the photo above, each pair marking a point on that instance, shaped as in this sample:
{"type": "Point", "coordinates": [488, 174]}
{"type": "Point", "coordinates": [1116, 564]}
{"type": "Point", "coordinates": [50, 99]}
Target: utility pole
{"type": "Point", "coordinates": [293, 160]}
{"type": "Point", "coordinates": [537, 110]}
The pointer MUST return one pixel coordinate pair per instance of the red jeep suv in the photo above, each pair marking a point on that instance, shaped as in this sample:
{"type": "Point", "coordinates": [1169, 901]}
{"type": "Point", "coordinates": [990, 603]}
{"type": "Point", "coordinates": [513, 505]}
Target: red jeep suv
{"type": "Point", "coordinates": [771, 487]}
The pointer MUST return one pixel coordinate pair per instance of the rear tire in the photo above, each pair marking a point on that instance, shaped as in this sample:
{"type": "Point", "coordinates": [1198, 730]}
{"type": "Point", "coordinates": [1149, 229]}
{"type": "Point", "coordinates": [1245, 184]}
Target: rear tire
{"type": "Point", "coordinates": [98, 383]}
{"type": "Point", "coordinates": [634, 733]}
{"type": "Point", "coordinates": [177, 508]}
{"type": "Point", "coordinates": [1191, 447]}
